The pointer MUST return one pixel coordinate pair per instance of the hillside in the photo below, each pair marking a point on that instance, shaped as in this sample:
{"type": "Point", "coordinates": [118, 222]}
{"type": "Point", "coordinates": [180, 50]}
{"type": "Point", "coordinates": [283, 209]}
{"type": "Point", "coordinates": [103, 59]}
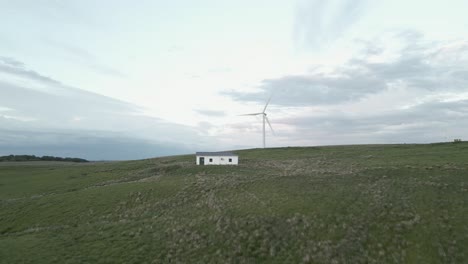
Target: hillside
{"type": "Point", "coordinates": [354, 204]}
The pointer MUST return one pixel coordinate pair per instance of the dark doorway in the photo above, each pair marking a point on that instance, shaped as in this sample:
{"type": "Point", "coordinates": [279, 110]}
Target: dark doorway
{"type": "Point", "coordinates": [202, 161]}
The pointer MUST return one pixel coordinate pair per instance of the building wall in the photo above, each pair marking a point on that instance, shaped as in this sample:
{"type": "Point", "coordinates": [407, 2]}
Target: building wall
{"type": "Point", "coordinates": [219, 160]}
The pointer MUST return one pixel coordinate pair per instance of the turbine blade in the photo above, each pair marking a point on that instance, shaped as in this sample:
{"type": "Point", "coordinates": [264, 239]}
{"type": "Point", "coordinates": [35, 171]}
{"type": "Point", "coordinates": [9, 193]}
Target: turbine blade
{"type": "Point", "coordinates": [264, 109]}
{"type": "Point", "coordinates": [268, 121]}
{"type": "Point", "coordinates": [251, 114]}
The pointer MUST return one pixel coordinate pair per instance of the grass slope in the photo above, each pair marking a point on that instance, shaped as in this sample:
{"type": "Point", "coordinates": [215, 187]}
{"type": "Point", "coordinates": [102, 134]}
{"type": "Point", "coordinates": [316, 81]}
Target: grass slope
{"type": "Point", "coordinates": [353, 204]}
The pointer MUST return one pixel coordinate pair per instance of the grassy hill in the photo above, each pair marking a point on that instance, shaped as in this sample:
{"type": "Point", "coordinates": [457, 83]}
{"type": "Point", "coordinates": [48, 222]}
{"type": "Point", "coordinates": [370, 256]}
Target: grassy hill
{"type": "Point", "coordinates": [353, 204]}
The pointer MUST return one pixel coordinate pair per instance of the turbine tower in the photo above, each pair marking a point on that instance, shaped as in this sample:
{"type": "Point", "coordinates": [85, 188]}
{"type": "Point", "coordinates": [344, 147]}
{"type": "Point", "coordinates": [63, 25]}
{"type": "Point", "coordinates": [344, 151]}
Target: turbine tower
{"type": "Point", "coordinates": [265, 118]}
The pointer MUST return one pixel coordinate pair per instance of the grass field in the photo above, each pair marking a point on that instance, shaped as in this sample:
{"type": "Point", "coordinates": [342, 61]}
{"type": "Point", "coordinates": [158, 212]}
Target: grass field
{"type": "Point", "coordinates": [344, 204]}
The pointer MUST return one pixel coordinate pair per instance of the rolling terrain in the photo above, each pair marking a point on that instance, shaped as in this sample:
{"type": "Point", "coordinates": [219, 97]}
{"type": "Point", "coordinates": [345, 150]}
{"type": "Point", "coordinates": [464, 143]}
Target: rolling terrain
{"type": "Point", "coordinates": [340, 204]}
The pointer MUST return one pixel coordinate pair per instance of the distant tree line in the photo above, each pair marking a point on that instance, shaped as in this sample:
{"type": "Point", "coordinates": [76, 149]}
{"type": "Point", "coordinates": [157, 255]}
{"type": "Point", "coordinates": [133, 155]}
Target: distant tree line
{"type": "Point", "coordinates": [35, 158]}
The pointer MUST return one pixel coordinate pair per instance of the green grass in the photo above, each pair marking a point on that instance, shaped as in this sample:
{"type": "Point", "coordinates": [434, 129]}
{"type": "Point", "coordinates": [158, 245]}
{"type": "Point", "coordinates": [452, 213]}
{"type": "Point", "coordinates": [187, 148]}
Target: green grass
{"type": "Point", "coordinates": [337, 204]}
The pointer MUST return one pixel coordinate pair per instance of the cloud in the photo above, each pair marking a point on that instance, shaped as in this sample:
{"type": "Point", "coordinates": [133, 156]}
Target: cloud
{"type": "Point", "coordinates": [315, 89]}
{"type": "Point", "coordinates": [417, 66]}
{"type": "Point", "coordinates": [84, 111]}
{"type": "Point", "coordinates": [426, 122]}
{"type": "Point", "coordinates": [416, 91]}
{"type": "Point", "coordinates": [40, 113]}
{"type": "Point", "coordinates": [431, 121]}
{"type": "Point", "coordinates": [212, 113]}
{"type": "Point", "coordinates": [61, 104]}
{"type": "Point", "coordinates": [14, 67]}
{"type": "Point", "coordinates": [93, 145]}
{"type": "Point", "coordinates": [318, 23]}
{"type": "Point", "coordinates": [11, 62]}
{"type": "Point", "coordinates": [86, 58]}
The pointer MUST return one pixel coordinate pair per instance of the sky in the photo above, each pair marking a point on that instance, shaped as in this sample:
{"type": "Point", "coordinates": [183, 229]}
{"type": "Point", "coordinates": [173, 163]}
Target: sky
{"type": "Point", "coordinates": [115, 80]}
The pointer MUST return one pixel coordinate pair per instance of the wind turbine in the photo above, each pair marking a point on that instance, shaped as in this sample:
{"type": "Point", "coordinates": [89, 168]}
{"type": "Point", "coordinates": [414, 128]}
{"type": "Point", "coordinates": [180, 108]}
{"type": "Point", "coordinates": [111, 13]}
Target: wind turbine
{"type": "Point", "coordinates": [265, 118]}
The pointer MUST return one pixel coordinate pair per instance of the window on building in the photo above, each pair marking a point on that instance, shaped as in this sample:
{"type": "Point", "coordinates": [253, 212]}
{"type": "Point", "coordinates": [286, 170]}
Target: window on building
{"type": "Point", "coordinates": [230, 160]}
{"type": "Point", "coordinates": [211, 160]}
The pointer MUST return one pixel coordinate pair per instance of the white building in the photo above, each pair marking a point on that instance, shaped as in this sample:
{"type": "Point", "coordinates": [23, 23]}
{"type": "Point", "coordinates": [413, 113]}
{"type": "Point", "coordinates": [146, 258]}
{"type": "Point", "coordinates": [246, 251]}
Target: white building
{"type": "Point", "coordinates": [217, 158]}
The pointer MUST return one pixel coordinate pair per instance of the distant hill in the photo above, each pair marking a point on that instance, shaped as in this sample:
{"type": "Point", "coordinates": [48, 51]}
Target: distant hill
{"type": "Point", "coordinates": [36, 158]}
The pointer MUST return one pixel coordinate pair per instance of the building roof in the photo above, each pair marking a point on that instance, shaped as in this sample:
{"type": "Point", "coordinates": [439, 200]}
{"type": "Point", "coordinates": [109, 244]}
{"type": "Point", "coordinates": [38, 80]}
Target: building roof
{"type": "Point", "coordinates": [220, 153]}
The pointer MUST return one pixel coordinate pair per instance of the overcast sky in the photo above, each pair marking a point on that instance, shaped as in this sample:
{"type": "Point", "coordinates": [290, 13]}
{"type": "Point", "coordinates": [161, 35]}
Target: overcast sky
{"type": "Point", "coordinates": [136, 79]}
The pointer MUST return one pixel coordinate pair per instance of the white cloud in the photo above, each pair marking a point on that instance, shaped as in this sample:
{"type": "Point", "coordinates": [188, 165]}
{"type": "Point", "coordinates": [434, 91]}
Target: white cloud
{"type": "Point", "coordinates": [61, 110]}
{"type": "Point", "coordinates": [319, 23]}
{"type": "Point", "coordinates": [418, 94]}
